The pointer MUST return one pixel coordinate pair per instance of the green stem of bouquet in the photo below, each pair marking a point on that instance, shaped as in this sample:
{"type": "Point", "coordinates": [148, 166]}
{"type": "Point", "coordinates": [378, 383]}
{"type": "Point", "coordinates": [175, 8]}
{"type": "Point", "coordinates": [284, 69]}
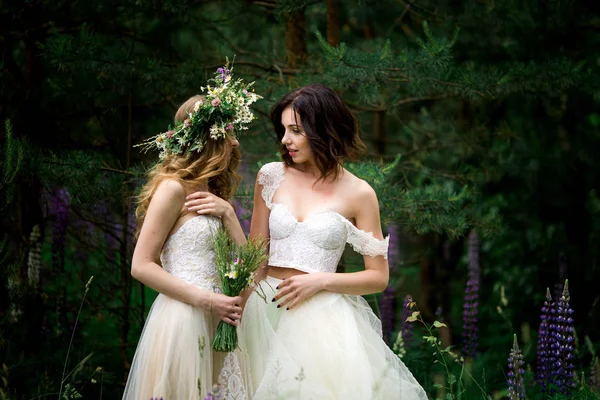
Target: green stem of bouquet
{"type": "Point", "coordinates": [226, 338]}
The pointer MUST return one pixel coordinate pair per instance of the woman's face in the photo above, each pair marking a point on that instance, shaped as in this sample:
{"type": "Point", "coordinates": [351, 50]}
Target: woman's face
{"type": "Point", "coordinates": [294, 138]}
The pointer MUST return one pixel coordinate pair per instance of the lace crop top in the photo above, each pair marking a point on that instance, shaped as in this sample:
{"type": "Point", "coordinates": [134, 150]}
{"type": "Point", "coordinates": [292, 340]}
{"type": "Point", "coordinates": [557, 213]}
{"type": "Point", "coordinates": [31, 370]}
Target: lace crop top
{"type": "Point", "coordinates": [315, 244]}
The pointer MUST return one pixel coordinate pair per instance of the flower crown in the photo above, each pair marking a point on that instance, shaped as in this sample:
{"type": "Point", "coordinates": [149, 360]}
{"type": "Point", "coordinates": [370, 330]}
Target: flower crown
{"type": "Point", "coordinates": [224, 112]}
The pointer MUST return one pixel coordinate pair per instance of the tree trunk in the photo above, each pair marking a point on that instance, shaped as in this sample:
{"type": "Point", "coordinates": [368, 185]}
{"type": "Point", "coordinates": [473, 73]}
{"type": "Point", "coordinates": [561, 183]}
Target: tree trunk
{"type": "Point", "coordinates": [333, 23]}
{"type": "Point", "coordinates": [295, 38]}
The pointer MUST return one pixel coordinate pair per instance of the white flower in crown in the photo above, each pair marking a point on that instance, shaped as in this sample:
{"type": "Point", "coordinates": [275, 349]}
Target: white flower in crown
{"type": "Point", "coordinates": [225, 112]}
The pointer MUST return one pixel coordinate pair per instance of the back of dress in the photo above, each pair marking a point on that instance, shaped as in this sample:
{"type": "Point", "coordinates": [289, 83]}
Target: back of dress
{"type": "Point", "coordinates": [188, 254]}
{"type": "Point", "coordinates": [174, 358]}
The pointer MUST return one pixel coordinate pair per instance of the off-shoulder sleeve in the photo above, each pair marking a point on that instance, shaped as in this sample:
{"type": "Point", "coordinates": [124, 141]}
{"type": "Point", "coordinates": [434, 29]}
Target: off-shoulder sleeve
{"type": "Point", "coordinates": [270, 177]}
{"type": "Point", "coordinates": [365, 243]}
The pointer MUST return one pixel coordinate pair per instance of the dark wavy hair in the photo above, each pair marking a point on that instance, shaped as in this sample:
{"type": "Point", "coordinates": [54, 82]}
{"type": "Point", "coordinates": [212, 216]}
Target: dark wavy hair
{"type": "Point", "coordinates": [331, 128]}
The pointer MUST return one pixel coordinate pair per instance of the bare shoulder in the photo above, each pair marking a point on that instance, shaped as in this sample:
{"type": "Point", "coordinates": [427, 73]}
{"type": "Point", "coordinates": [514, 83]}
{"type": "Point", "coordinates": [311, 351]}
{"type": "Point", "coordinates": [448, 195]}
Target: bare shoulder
{"type": "Point", "coordinates": [358, 189]}
{"type": "Point", "coordinates": [170, 189]}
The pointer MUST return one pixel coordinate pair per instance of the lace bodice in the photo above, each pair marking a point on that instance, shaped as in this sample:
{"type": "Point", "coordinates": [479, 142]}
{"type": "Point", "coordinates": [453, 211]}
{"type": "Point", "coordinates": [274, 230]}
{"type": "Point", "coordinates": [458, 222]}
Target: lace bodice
{"type": "Point", "coordinates": [188, 253]}
{"type": "Point", "coordinates": [315, 244]}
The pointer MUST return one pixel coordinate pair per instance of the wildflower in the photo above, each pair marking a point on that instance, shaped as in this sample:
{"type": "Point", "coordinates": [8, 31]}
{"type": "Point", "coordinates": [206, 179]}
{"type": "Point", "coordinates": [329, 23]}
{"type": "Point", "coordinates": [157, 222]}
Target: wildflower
{"type": "Point", "coordinates": [214, 394]}
{"type": "Point", "coordinates": [544, 363]}
{"type": "Point", "coordinates": [229, 127]}
{"type": "Point", "coordinates": [224, 73]}
{"type": "Point", "coordinates": [231, 274]}
{"type": "Point", "coordinates": [197, 105]}
{"type": "Point", "coordinates": [398, 346]}
{"type": "Point", "coordinates": [516, 383]}
{"type": "Point", "coordinates": [187, 123]}
{"type": "Point", "coordinates": [562, 344]}
{"type": "Point", "coordinates": [216, 102]}
{"type": "Point", "coordinates": [387, 312]}
{"type": "Point", "coordinates": [169, 134]}
{"type": "Point", "coordinates": [471, 305]}
{"type": "Point", "coordinates": [406, 328]}
{"type": "Point", "coordinates": [245, 92]}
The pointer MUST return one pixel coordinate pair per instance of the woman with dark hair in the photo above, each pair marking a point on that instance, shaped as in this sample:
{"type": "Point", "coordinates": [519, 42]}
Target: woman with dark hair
{"type": "Point", "coordinates": [174, 253]}
{"type": "Point", "coordinates": [316, 337]}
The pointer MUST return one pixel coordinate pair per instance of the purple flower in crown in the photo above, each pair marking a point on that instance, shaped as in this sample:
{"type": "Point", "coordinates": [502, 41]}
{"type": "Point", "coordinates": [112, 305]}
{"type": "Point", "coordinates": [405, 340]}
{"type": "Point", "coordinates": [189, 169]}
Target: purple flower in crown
{"type": "Point", "coordinates": [544, 353]}
{"type": "Point", "coordinates": [471, 305]}
{"type": "Point", "coordinates": [216, 102]}
{"type": "Point", "coordinates": [516, 381]}
{"type": "Point", "coordinates": [562, 344]}
{"type": "Point", "coordinates": [224, 72]}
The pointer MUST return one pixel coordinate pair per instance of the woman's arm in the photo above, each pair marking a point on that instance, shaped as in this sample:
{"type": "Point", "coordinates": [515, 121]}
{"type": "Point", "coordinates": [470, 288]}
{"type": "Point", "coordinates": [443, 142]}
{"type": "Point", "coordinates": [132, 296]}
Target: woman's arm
{"type": "Point", "coordinates": [259, 225]}
{"type": "Point", "coordinates": [373, 279]}
{"type": "Point", "coordinates": [162, 214]}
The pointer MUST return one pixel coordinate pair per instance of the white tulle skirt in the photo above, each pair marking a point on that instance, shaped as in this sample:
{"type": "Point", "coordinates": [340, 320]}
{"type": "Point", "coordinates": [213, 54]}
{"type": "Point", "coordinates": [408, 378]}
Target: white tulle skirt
{"type": "Point", "coordinates": [329, 347]}
{"type": "Point", "coordinates": [174, 359]}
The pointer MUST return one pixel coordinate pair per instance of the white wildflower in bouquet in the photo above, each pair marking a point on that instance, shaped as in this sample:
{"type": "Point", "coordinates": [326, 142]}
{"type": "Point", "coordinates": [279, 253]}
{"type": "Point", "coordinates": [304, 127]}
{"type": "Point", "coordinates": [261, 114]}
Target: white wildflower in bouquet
{"type": "Point", "coordinates": [236, 265]}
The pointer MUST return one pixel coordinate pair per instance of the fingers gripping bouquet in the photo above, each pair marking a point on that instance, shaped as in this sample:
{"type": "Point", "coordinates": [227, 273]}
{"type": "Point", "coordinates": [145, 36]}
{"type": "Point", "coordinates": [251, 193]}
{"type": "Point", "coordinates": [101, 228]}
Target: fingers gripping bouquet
{"type": "Point", "coordinates": [236, 265]}
{"type": "Point", "coordinates": [224, 112]}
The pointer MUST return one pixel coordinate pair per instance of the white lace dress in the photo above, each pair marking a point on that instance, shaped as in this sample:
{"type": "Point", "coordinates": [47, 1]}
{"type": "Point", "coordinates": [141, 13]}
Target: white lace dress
{"type": "Point", "coordinates": [174, 359]}
{"type": "Point", "coordinates": [330, 346]}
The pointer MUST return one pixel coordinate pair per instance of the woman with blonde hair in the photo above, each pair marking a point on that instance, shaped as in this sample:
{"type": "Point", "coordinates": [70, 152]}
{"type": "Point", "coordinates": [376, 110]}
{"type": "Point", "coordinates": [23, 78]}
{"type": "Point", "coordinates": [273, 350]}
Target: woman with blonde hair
{"type": "Point", "coordinates": [174, 253]}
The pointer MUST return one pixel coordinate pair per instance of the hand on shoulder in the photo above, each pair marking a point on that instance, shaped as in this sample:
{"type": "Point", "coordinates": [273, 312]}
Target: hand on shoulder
{"type": "Point", "coordinates": [206, 203]}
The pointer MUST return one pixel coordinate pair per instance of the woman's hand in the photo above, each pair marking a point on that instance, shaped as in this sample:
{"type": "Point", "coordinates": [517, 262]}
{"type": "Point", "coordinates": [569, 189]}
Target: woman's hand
{"type": "Point", "coordinates": [206, 203]}
{"type": "Point", "coordinates": [294, 290]}
{"type": "Point", "coordinates": [228, 309]}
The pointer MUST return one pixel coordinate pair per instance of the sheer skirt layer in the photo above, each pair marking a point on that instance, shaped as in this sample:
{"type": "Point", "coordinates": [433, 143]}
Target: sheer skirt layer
{"type": "Point", "coordinates": [174, 359]}
{"type": "Point", "coordinates": [330, 347]}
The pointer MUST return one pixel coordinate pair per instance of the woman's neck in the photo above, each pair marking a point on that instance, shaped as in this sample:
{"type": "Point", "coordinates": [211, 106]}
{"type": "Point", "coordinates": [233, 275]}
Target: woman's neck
{"type": "Point", "coordinates": [311, 171]}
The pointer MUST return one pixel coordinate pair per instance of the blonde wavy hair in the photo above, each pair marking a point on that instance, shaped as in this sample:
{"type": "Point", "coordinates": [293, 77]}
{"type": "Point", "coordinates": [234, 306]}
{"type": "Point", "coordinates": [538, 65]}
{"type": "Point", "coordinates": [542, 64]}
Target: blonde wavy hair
{"type": "Point", "coordinates": [216, 164]}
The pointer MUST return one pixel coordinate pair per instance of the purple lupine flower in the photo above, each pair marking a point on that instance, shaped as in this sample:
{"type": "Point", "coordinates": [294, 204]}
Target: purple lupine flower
{"type": "Point", "coordinates": [406, 328]}
{"type": "Point", "coordinates": [394, 248]}
{"type": "Point", "coordinates": [386, 305]}
{"type": "Point", "coordinates": [59, 233]}
{"type": "Point", "coordinates": [562, 374]}
{"type": "Point", "coordinates": [516, 382]}
{"type": "Point", "coordinates": [389, 294]}
{"type": "Point", "coordinates": [544, 354]}
{"type": "Point", "coordinates": [471, 305]}
{"type": "Point", "coordinates": [214, 394]}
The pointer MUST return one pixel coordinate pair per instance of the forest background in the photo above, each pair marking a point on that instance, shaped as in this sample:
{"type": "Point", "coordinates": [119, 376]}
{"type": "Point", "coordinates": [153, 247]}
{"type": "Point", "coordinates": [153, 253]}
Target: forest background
{"type": "Point", "coordinates": [482, 123]}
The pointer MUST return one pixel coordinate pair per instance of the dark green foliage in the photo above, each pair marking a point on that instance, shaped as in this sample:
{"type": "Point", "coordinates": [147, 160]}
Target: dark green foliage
{"type": "Point", "coordinates": [476, 114]}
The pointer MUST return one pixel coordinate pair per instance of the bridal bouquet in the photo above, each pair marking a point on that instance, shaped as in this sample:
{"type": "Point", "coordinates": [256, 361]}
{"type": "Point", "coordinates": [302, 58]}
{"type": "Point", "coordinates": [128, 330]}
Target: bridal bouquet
{"type": "Point", "coordinates": [236, 265]}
